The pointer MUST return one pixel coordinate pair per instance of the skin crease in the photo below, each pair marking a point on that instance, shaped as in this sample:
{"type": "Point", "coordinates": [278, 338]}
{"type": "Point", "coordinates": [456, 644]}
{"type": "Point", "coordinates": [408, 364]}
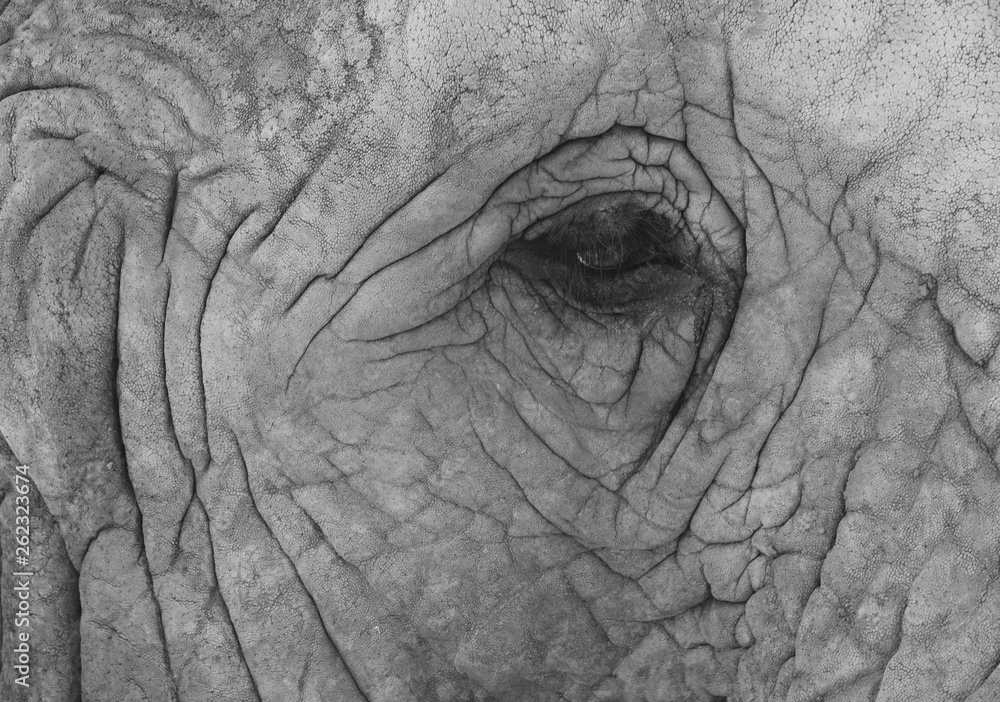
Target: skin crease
{"type": "Point", "coordinates": [302, 427]}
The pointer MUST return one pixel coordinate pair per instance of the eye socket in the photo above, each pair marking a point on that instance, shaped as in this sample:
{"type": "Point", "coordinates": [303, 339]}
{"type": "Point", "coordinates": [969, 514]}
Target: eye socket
{"type": "Point", "coordinates": [609, 255]}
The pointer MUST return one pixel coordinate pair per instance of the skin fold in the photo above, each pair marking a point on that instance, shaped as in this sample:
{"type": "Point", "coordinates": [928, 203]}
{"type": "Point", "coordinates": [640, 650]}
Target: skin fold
{"type": "Point", "coordinates": [330, 389]}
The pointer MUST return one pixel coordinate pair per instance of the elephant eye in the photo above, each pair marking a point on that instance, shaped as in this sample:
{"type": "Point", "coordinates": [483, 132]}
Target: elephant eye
{"type": "Point", "coordinates": [608, 256]}
{"type": "Point", "coordinates": [611, 242]}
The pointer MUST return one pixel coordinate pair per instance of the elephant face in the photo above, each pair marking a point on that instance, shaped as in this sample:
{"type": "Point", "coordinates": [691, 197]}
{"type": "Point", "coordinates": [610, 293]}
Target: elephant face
{"type": "Point", "coordinates": [495, 352]}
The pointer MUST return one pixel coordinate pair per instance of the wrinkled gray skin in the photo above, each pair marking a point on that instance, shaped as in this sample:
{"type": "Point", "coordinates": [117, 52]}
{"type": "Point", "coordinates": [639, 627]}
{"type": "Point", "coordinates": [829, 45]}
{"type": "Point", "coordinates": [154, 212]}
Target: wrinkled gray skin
{"type": "Point", "coordinates": [309, 419]}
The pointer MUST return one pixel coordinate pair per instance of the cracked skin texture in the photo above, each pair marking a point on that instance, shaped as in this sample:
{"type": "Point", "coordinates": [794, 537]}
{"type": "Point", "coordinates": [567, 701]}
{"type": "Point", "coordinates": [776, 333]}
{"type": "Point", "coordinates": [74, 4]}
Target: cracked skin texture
{"type": "Point", "coordinates": [302, 427]}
